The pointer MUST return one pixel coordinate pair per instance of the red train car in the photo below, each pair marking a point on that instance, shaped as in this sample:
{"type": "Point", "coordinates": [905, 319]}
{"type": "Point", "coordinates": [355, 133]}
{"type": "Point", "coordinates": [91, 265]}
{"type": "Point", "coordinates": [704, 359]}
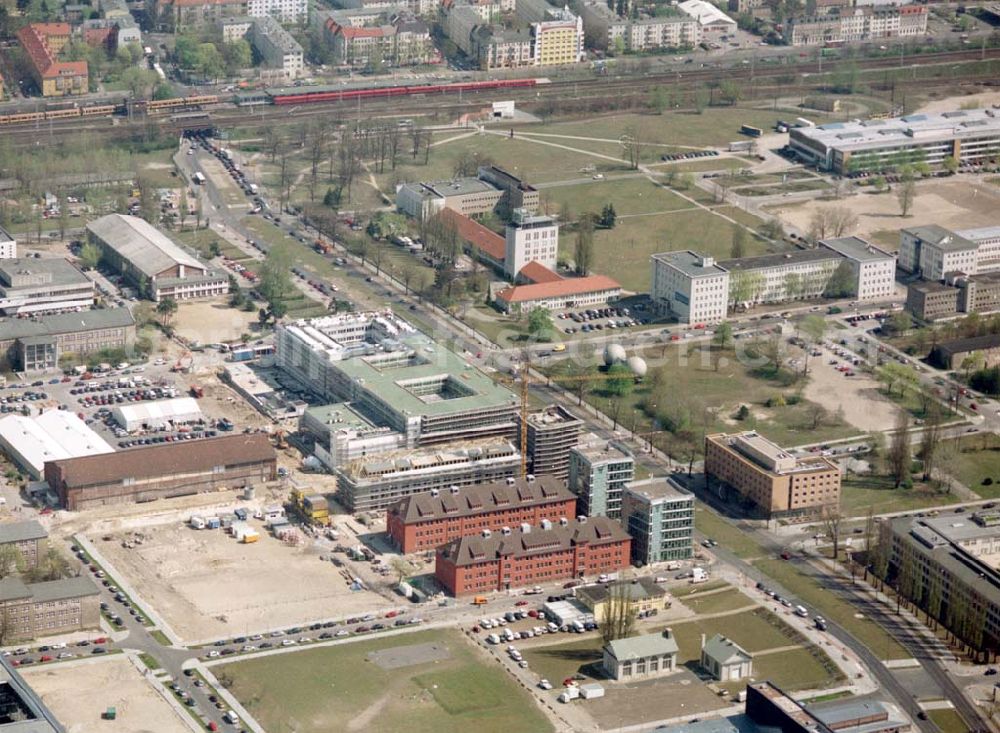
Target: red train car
{"type": "Point", "coordinates": [307, 96]}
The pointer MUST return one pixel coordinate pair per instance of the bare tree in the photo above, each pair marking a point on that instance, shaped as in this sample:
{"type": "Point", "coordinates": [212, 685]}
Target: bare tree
{"type": "Point", "coordinates": [930, 439]}
{"type": "Point", "coordinates": [11, 560]}
{"type": "Point", "coordinates": [832, 518]}
{"type": "Point", "coordinates": [899, 450]}
{"type": "Point", "coordinates": [620, 614]}
{"type": "Point", "coordinates": [631, 147]}
{"type": "Point", "coordinates": [817, 415]}
{"type": "Point", "coordinates": [905, 194]}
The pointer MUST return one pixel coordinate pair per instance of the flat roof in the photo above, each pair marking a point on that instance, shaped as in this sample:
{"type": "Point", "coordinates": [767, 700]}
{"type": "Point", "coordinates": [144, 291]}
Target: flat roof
{"type": "Point", "coordinates": [796, 257]}
{"type": "Point", "coordinates": [981, 233]}
{"type": "Point", "coordinates": [942, 238]}
{"type": "Point", "coordinates": [13, 328]}
{"type": "Point", "coordinates": [53, 435]}
{"type": "Point", "coordinates": [690, 263]}
{"type": "Point", "coordinates": [899, 131]}
{"type": "Point", "coordinates": [43, 271]}
{"type": "Point", "coordinates": [599, 451]}
{"type": "Point", "coordinates": [857, 248]}
{"type": "Point", "coordinates": [407, 462]}
{"type": "Point", "coordinates": [42, 720]}
{"type": "Point", "coordinates": [451, 187]}
{"type": "Point", "coordinates": [655, 489]}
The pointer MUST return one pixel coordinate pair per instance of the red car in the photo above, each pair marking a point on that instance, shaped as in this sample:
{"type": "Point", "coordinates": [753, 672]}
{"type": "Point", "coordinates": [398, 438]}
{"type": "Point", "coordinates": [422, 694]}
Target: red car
{"type": "Point", "coordinates": [786, 555]}
{"type": "Point", "coordinates": [45, 658]}
{"type": "Point", "coordinates": [521, 603]}
{"type": "Point", "coordinates": [101, 640]}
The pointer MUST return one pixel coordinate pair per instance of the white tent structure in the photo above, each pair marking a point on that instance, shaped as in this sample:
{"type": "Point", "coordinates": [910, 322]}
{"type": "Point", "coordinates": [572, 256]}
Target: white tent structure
{"type": "Point", "coordinates": [53, 435]}
{"type": "Point", "coordinates": [159, 414]}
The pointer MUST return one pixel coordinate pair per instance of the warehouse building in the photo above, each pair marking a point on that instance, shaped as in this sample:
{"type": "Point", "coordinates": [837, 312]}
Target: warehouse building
{"type": "Point", "coordinates": [768, 478]}
{"type": "Point", "coordinates": [375, 484]}
{"type": "Point", "coordinates": [157, 415]}
{"type": "Point", "coordinates": [27, 538]}
{"type": "Point", "coordinates": [551, 434]}
{"type": "Point", "coordinates": [32, 441]}
{"type": "Point", "coordinates": [950, 354]}
{"type": "Point", "coordinates": [36, 344]}
{"type": "Point", "coordinates": [430, 519]}
{"type": "Point", "coordinates": [62, 606]}
{"type": "Point", "coordinates": [968, 136]}
{"type": "Point", "coordinates": [163, 471]}
{"type": "Point", "coordinates": [47, 284]}
{"type": "Point", "coordinates": [598, 474]}
{"type": "Point", "coordinates": [526, 555]}
{"type": "Point", "coordinates": [152, 262]}
{"type": "Point", "coordinates": [658, 514]}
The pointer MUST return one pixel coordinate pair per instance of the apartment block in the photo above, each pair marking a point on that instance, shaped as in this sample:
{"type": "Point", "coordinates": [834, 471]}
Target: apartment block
{"type": "Point", "coordinates": [552, 434]}
{"type": "Point", "coordinates": [433, 518]}
{"type": "Point", "coordinates": [276, 47]}
{"type": "Point", "coordinates": [285, 11]}
{"type": "Point", "coordinates": [523, 556]}
{"type": "Point", "coordinates": [393, 40]}
{"type": "Point", "coordinates": [28, 539]}
{"type": "Point", "coordinates": [180, 15]}
{"type": "Point", "coordinates": [41, 43]}
{"type": "Point", "coordinates": [605, 29]}
{"type": "Point", "coordinates": [54, 607]}
{"type": "Point", "coordinates": [658, 515]}
{"type": "Point", "coordinates": [856, 24]}
{"type": "Point", "coordinates": [598, 474]}
{"type": "Point", "coordinates": [752, 469]}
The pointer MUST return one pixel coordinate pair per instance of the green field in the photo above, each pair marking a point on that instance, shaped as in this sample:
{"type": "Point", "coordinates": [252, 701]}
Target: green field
{"type": "Point", "coordinates": [629, 196]}
{"type": "Point", "coordinates": [796, 669]}
{"type": "Point", "coordinates": [699, 165]}
{"type": "Point", "coordinates": [877, 492]}
{"type": "Point", "coordinates": [201, 240]}
{"type": "Point", "coordinates": [948, 721]}
{"type": "Point", "coordinates": [720, 602]}
{"type": "Point", "coordinates": [977, 458]}
{"type": "Point", "coordinates": [754, 631]}
{"type": "Point", "coordinates": [683, 591]}
{"type": "Point", "coordinates": [339, 688]}
{"type": "Point", "coordinates": [833, 607]}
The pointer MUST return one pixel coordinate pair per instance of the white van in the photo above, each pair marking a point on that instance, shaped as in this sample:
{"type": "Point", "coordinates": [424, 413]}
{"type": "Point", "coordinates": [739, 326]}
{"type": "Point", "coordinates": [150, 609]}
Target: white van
{"type": "Point", "coordinates": [231, 718]}
{"type": "Point", "coordinates": [801, 611]}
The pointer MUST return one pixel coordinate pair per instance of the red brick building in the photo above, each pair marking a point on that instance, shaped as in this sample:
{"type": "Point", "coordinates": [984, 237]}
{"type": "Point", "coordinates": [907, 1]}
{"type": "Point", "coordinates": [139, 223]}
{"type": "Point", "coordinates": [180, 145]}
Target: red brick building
{"type": "Point", "coordinates": [428, 520]}
{"type": "Point", "coordinates": [519, 557]}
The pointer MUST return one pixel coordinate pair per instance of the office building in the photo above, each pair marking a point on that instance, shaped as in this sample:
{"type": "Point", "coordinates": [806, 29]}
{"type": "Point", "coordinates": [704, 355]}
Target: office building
{"type": "Point", "coordinates": [31, 441]}
{"type": "Point", "coordinates": [691, 286]}
{"type": "Point", "coordinates": [724, 659]}
{"type": "Point", "coordinates": [36, 610]}
{"type": "Point", "coordinates": [491, 189]}
{"type": "Point", "coordinates": [36, 344]}
{"type": "Point", "coordinates": [286, 11]}
{"type": "Point", "coordinates": [276, 47]}
{"type": "Point", "coordinates": [640, 657]}
{"type": "Point", "coordinates": [8, 245]}
{"type": "Point", "coordinates": [163, 471]}
{"type": "Point", "coordinates": [524, 556]}
{"type": "Point", "coordinates": [872, 270]}
{"type": "Point", "coordinates": [552, 434]}
{"type": "Point", "coordinates": [752, 469]}
{"type": "Point", "coordinates": [643, 596]}
{"type": "Point", "coordinates": [598, 474]}
{"type": "Point", "coordinates": [951, 354]}
{"type": "Point", "coordinates": [555, 292]}
{"type": "Point", "coordinates": [430, 519]}
{"type": "Point", "coordinates": [968, 135]}
{"type": "Point", "coordinates": [41, 43]}
{"type": "Point", "coordinates": [856, 24]}
{"type": "Point", "coordinates": [152, 262]}
{"type": "Point", "coordinates": [39, 285]}
{"type": "Point", "coordinates": [957, 294]}
{"type": "Point", "coordinates": [658, 514]}
{"type": "Point", "coordinates": [24, 710]}
{"type": "Point", "coordinates": [530, 239]}
{"type": "Point", "coordinates": [375, 484]}
{"type": "Point", "coordinates": [27, 537]}
{"type": "Point", "coordinates": [932, 251]}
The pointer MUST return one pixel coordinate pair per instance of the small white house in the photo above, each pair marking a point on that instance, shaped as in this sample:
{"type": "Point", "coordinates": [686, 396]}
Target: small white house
{"type": "Point", "coordinates": [650, 655]}
{"type": "Point", "coordinates": [724, 659]}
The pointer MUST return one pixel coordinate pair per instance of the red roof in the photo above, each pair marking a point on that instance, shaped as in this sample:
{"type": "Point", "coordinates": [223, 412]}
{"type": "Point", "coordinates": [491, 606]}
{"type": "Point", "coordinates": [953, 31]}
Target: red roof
{"type": "Point", "coordinates": [476, 234]}
{"type": "Point", "coordinates": [352, 32]}
{"type": "Point", "coordinates": [51, 29]}
{"type": "Point", "coordinates": [33, 41]}
{"type": "Point", "coordinates": [536, 272]}
{"type": "Point", "coordinates": [560, 289]}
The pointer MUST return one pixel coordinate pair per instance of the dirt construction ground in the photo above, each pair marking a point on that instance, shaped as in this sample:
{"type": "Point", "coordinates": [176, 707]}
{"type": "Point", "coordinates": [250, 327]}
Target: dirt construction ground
{"type": "Point", "coordinates": [858, 397]}
{"type": "Point", "coordinates": [206, 585]}
{"type": "Point", "coordinates": [210, 322]}
{"type": "Point", "coordinates": [77, 693]}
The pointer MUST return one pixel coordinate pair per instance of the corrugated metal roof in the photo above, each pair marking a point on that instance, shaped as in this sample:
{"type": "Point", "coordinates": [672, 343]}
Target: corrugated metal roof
{"type": "Point", "coordinates": [146, 247]}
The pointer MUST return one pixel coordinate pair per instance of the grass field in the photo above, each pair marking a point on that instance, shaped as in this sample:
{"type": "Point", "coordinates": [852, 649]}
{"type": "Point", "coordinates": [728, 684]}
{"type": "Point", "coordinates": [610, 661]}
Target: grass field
{"type": "Point", "coordinates": [684, 591]}
{"type": "Point", "coordinates": [754, 631]}
{"type": "Point", "coordinates": [977, 459]}
{"type": "Point", "coordinates": [728, 600]}
{"type": "Point", "coordinates": [857, 495]}
{"type": "Point", "coordinates": [796, 669]}
{"type": "Point", "coordinates": [948, 721]}
{"type": "Point", "coordinates": [703, 164]}
{"type": "Point", "coordinates": [201, 240]}
{"type": "Point", "coordinates": [833, 607]}
{"type": "Point", "coordinates": [629, 196]}
{"type": "Point", "coordinates": [338, 688]}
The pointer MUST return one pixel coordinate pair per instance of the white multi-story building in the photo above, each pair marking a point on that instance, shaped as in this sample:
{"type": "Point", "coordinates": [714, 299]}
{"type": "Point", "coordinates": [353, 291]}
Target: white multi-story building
{"type": "Point", "coordinates": [8, 245]}
{"type": "Point", "coordinates": [873, 270]}
{"type": "Point", "coordinates": [857, 24]}
{"type": "Point", "coordinates": [530, 238]}
{"type": "Point", "coordinates": [933, 251]}
{"type": "Point", "coordinates": [277, 47]}
{"type": "Point", "coordinates": [604, 27]}
{"type": "Point", "coordinates": [287, 11]}
{"type": "Point", "coordinates": [691, 286]}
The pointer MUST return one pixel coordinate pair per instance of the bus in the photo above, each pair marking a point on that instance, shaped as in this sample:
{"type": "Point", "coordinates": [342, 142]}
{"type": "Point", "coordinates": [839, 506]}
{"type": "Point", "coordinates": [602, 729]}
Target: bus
{"type": "Point", "coordinates": [199, 177]}
{"type": "Point", "coordinates": [751, 131]}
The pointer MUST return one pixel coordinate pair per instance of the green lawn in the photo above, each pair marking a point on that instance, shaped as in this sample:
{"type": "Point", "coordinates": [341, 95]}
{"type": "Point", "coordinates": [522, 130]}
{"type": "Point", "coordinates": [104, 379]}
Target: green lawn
{"type": "Point", "coordinates": [877, 492]}
{"type": "Point", "coordinates": [201, 240]}
{"type": "Point", "coordinates": [702, 164]}
{"type": "Point", "coordinates": [720, 602]}
{"type": "Point", "coordinates": [833, 607]}
{"type": "Point", "coordinates": [319, 690]}
{"type": "Point", "coordinates": [754, 631]}
{"type": "Point", "coordinates": [732, 538]}
{"type": "Point", "coordinates": [628, 195]}
{"type": "Point", "coordinates": [683, 591]}
{"type": "Point", "coordinates": [808, 668]}
{"type": "Point", "coordinates": [948, 720]}
{"type": "Point", "coordinates": [977, 459]}
{"type": "Point", "coordinates": [559, 661]}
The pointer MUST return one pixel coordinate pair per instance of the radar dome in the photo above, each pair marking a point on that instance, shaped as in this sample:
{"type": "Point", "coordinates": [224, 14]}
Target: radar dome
{"type": "Point", "coordinates": [613, 354]}
{"type": "Point", "coordinates": [638, 366]}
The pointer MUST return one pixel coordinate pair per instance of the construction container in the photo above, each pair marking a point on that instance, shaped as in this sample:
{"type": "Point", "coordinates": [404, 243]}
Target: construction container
{"type": "Point", "coordinates": [197, 522]}
{"type": "Point", "coordinates": [591, 690]}
{"type": "Point", "coordinates": [250, 537]}
{"type": "Point", "coordinates": [110, 714]}
{"type": "Point", "coordinates": [213, 523]}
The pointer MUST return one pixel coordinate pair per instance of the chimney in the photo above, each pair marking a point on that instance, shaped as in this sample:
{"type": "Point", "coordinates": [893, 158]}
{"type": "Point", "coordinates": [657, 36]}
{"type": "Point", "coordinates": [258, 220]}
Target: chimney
{"type": "Point", "coordinates": [531, 478]}
{"type": "Point", "coordinates": [511, 481]}
{"type": "Point", "coordinates": [546, 524]}
{"type": "Point", "coordinates": [487, 533]}
{"type": "Point", "coordinates": [505, 531]}
{"type": "Point", "coordinates": [525, 528]}
{"type": "Point", "coordinates": [454, 489]}
{"type": "Point", "coordinates": [563, 522]}
{"type": "Point", "coordinates": [581, 518]}
{"type": "Point", "coordinates": [435, 492]}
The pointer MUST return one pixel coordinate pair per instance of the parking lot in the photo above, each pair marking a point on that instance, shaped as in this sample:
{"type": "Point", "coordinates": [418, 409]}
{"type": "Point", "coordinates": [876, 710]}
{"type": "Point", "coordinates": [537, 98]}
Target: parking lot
{"type": "Point", "coordinates": [207, 586]}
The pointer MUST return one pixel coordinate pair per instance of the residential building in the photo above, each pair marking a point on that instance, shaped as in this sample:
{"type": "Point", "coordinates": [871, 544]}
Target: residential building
{"type": "Point", "coordinates": [45, 609]}
{"type": "Point", "coordinates": [417, 7]}
{"type": "Point", "coordinates": [724, 659]}
{"type": "Point", "coordinates": [49, 284]}
{"type": "Point", "coordinates": [399, 40]}
{"type": "Point", "coordinates": [286, 11]}
{"type": "Point", "coordinates": [375, 484]}
{"type": "Point", "coordinates": [36, 344]}
{"type": "Point", "coordinates": [691, 286]}
{"type": "Point", "coordinates": [235, 28]}
{"type": "Point", "coordinates": [671, 29]}
{"type": "Point", "coordinates": [643, 596]}
{"type": "Point", "coordinates": [713, 22]}
{"type": "Point", "coordinates": [771, 480]}
{"type": "Point", "coordinates": [971, 136]}
{"type": "Point", "coordinates": [641, 657]}
{"type": "Point", "coordinates": [153, 262]}
{"type": "Point", "coordinates": [530, 238]}
{"type": "Point", "coordinates": [958, 294]}
{"type": "Point", "coordinates": [603, 27]}
{"type": "Point", "coordinates": [21, 703]}
{"type": "Point", "coordinates": [31, 441]}
{"type": "Point", "coordinates": [558, 293]}
{"type": "Point", "coordinates": [8, 245]}
{"type": "Point", "coordinates": [558, 40]}
{"type": "Point", "coordinates": [460, 20]}
{"type": "Point", "coordinates": [598, 474]}
{"type": "Point", "coordinates": [495, 47]}
{"type": "Point", "coordinates": [27, 537]}
{"type": "Point", "coordinates": [873, 270]}
{"type": "Point", "coordinates": [932, 251]}
{"type": "Point", "coordinates": [857, 24]}
{"type": "Point", "coordinates": [658, 514]}
{"type": "Point", "coordinates": [951, 354]}
{"type": "Point", "coordinates": [41, 43]}
{"type": "Point", "coordinates": [430, 519]}
{"type": "Point", "coordinates": [179, 15]}
{"type": "Point", "coordinates": [552, 433]}
{"type": "Point", "coordinates": [530, 554]}
{"type": "Point", "coordinates": [276, 47]}
{"type": "Point", "coordinates": [163, 471]}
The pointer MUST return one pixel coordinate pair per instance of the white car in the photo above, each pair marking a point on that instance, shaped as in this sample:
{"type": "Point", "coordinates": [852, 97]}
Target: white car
{"type": "Point", "coordinates": [288, 642]}
{"type": "Point", "coordinates": [545, 684]}
{"type": "Point", "coordinates": [343, 632]}
{"type": "Point", "coordinates": [213, 654]}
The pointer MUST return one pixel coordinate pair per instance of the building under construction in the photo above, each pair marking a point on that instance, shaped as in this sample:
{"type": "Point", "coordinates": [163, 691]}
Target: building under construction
{"type": "Point", "coordinates": [377, 483]}
{"type": "Point", "coordinates": [551, 435]}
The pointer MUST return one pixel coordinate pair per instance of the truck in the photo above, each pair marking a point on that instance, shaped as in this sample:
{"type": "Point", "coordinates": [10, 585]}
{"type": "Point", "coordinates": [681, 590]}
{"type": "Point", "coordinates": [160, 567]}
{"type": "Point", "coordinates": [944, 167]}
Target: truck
{"type": "Point", "coordinates": [198, 178]}
{"type": "Point", "coordinates": [197, 522]}
{"type": "Point", "coordinates": [322, 247]}
{"type": "Point", "coordinates": [572, 692]}
{"type": "Point", "coordinates": [197, 391]}
{"type": "Point", "coordinates": [480, 601]}
{"type": "Point", "coordinates": [698, 575]}
{"type": "Point", "coordinates": [591, 691]}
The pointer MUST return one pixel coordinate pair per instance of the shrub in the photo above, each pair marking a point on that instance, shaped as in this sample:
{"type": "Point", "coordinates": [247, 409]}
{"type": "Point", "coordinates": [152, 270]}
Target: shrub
{"type": "Point", "coordinates": [987, 481]}
{"type": "Point", "coordinates": [776, 401]}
